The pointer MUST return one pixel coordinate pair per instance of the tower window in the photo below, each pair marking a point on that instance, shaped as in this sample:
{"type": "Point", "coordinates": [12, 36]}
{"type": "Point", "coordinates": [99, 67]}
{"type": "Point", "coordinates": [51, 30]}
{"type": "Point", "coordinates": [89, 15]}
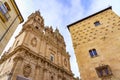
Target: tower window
{"type": "Point", "coordinates": [36, 27]}
{"type": "Point", "coordinates": [93, 53]}
{"type": "Point", "coordinates": [103, 71]}
{"type": "Point", "coordinates": [97, 23]}
{"type": "Point", "coordinates": [39, 19]}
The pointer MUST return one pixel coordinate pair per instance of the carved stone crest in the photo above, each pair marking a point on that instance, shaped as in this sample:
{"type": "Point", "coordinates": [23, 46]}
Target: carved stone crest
{"type": "Point", "coordinates": [27, 70]}
{"type": "Point", "coordinates": [34, 42]}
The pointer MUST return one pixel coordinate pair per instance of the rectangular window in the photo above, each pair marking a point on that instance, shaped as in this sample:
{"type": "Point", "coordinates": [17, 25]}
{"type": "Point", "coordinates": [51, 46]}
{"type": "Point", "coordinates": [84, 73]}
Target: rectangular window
{"type": "Point", "coordinates": [103, 71]}
{"type": "Point", "coordinates": [52, 57]}
{"type": "Point", "coordinates": [7, 6]}
{"type": "Point", "coordinates": [4, 8]}
{"type": "Point", "coordinates": [93, 53]}
{"type": "Point", "coordinates": [97, 23]}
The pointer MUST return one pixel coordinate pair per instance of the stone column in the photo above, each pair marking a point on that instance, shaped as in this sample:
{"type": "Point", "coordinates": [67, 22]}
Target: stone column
{"type": "Point", "coordinates": [46, 76]}
{"type": "Point", "coordinates": [46, 72]}
{"type": "Point", "coordinates": [37, 73]}
{"type": "Point", "coordinates": [41, 74]}
{"type": "Point", "coordinates": [16, 67]}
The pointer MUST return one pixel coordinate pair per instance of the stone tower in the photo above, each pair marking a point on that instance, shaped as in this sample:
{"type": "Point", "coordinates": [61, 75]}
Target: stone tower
{"type": "Point", "coordinates": [96, 41]}
{"type": "Point", "coordinates": [38, 53]}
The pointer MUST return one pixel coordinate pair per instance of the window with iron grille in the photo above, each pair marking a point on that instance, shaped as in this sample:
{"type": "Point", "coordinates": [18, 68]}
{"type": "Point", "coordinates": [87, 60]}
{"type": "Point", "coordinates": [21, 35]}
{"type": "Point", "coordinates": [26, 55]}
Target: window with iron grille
{"type": "Point", "coordinates": [103, 71]}
{"type": "Point", "coordinates": [93, 53]}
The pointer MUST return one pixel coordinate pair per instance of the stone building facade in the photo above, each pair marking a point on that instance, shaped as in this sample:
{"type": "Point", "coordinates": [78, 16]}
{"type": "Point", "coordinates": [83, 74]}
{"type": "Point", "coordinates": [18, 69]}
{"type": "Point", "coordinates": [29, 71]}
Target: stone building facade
{"type": "Point", "coordinates": [96, 41]}
{"type": "Point", "coordinates": [10, 18]}
{"type": "Point", "coordinates": [38, 53]}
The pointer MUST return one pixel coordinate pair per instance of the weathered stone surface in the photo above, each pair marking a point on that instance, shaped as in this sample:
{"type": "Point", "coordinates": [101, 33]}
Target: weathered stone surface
{"type": "Point", "coordinates": [38, 53]}
{"type": "Point", "coordinates": [105, 38]}
{"type": "Point", "coordinates": [8, 21]}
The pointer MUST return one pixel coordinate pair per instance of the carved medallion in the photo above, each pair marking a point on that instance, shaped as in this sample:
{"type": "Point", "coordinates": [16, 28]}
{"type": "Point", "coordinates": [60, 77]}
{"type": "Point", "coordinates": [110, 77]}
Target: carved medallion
{"type": "Point", "coordinates": [34, 42]}
{"type": "Point", "coordinates": [27, 70]}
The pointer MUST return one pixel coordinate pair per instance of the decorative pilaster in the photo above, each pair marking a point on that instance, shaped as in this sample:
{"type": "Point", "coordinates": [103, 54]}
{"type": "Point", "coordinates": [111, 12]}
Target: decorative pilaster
{"type": "Point", "coordinates": [41, 74]}
{"type": "Point", "coordinates": [37, 75]}
{"type": "Point", "coordinates": [16, 68]}
{"type": "Point", "coordinates": [45, 71]}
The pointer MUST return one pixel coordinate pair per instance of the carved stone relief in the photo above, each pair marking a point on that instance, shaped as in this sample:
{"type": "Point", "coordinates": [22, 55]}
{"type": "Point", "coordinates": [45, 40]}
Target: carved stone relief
{"type": "Point", "coordinates": [34, 42]}
{"type": "Point", "coordinates": [27, 70]}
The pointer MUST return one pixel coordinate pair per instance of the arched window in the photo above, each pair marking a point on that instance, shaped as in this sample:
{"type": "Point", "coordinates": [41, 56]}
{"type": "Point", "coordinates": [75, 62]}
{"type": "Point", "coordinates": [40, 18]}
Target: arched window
{"type": "Point", "coordinates": [52, 57]}
{"type": "Point", "coordinates": [36, 27]}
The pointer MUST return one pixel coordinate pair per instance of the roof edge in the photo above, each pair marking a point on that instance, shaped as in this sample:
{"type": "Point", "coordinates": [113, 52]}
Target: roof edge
{"type": "Point", "coordinates": [18, 12]}
{"type": "Point", "coordinates": [110, 7]}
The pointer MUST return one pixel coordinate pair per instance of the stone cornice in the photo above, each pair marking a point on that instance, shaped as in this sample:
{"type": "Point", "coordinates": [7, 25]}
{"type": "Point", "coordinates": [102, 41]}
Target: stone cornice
{"type": "Point", "coordinates": [8, 55]}
{"type": "Point", "coordinates": [17, 10]}
{"type": "Point", "coordinates": [18, 58]}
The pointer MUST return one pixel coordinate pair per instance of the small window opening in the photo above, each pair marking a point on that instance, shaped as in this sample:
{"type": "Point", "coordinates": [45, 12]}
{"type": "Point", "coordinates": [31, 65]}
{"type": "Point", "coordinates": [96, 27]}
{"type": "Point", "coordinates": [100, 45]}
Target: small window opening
{"type": "Point", "coordinates": [97, 23]}
{"type": "Point", "coordinates": [52, 57]}
{"type": "Point", "coordinates": [36, 27]}
{"type": "Point", "coordinates": [93, 53]}
{"type": "Point", "coordinates": [39, 19]}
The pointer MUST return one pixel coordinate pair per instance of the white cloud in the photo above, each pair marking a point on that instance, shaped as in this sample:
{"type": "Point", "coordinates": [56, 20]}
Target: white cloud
{"type": "Point", "coordinates": [102, 4]}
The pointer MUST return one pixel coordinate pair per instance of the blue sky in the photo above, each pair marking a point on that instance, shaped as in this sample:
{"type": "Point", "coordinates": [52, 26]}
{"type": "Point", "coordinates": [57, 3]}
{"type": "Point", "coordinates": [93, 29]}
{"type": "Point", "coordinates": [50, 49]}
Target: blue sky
{"type": "Point", "coordinates": [60, 13]}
